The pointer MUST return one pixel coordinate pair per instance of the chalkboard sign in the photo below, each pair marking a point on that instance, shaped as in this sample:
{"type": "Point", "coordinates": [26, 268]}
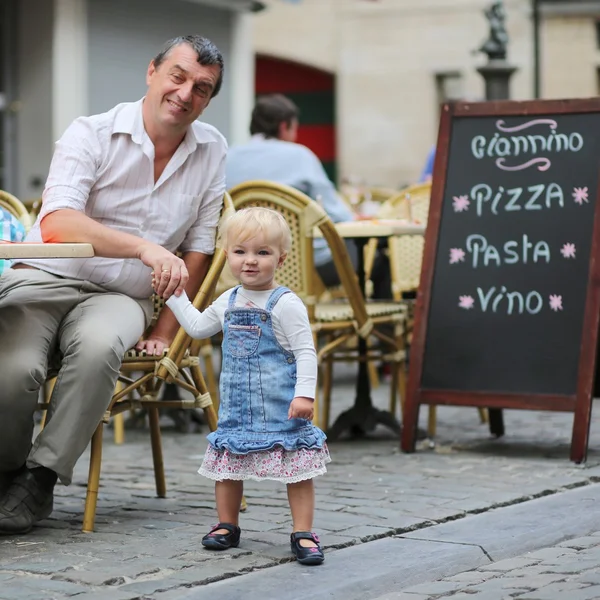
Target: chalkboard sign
{"type": "Point", "coordinates": [507, 311]}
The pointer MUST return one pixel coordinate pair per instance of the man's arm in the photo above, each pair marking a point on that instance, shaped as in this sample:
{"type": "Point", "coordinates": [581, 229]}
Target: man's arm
{"type": "Point", "coordinates": [321, 189]}
{"type": "Point", "coordinates": [166, 327]}
{"type": "Point", "coordinates": [73, 174]}
{"type": "Point", "coordinates": [69, 225]}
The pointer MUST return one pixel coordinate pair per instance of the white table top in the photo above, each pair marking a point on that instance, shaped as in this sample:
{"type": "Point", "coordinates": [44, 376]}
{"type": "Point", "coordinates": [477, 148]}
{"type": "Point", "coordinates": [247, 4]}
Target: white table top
{"type": "Point", "coordinates": [34, 250]}
{"type": "Point", "coordinates": [376, 228]}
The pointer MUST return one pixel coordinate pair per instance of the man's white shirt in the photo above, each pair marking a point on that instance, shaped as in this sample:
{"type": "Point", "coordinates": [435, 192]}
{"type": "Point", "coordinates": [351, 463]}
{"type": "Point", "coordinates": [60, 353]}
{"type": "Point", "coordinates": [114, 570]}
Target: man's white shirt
{"type": "Point", "coordinates": [103, 166]}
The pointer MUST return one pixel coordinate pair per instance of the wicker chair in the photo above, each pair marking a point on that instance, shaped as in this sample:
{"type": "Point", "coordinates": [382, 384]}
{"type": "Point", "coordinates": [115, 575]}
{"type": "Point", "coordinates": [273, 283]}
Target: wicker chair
{"type": "Point", "coordinates": [406, 252]}
{"type": "Point", "coordinates": [144, 375]}
{"type": "Point", "coordinates": [337, 323]}
{"type": "Point", "coordinates": [16, 208]}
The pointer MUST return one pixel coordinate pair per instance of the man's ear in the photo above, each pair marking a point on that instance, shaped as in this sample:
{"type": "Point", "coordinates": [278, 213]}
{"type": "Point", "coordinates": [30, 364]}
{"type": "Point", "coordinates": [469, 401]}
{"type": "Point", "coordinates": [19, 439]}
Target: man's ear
{"type": "Point", "coordinates": [151, 70]}
{"type": "Point", "coordinates": [282, 130]}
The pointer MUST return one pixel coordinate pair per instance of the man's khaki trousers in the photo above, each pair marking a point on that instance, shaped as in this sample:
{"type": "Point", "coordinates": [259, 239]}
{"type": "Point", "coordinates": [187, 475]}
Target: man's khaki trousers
{"type": "Point", "coordinates": [88, 329]}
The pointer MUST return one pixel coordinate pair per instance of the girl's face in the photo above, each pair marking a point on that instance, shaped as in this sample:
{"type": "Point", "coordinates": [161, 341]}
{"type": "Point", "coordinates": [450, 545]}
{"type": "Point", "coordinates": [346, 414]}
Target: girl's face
{"type": "Point", "coordinates": [253, 262]}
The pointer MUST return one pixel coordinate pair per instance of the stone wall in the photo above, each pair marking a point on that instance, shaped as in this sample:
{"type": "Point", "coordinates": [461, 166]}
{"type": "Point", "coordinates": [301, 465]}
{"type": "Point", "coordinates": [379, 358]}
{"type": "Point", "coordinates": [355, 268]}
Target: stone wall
{"type": "Point", "coordinates": [391, 56]}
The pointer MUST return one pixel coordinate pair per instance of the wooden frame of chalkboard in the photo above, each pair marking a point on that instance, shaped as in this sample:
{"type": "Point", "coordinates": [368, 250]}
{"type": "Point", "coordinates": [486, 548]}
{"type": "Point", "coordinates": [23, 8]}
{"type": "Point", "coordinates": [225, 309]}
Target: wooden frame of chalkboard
{"type": "Point", "coordinates": [477, 341]}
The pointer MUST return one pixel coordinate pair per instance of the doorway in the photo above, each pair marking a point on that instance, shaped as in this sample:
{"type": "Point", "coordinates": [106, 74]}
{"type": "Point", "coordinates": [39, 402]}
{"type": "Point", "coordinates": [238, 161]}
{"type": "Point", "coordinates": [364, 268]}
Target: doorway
{"type": "Point", "coordinates": [313, 91]}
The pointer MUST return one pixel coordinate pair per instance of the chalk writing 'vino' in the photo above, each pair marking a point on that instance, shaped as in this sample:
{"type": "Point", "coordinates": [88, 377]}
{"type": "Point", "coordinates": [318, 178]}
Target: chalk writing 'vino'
{"type": "Point", "coordinates": [502, 301]}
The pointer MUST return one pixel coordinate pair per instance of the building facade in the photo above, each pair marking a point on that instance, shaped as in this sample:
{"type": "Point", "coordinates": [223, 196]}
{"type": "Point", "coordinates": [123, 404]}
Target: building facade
{"type": "Point", "coordinates": [395, 61]}
{"type": "Point", "coordinates": [65, 58]}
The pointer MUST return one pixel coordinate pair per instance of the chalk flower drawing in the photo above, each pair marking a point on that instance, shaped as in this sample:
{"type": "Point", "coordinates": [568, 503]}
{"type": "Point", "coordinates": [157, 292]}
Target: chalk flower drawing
{"type": "Point", "coordinates": [568, 250]}
{"type": "Point", "coordinates": [580, 195]}
{"type": "Point", "coordinates": [456, 255]}
{"type": "Point", "coordinates": [466, 302]}
{"type": "Point", "coordinates": [556, 302]}
{"type": "Point", "coordinates": [460, 203]}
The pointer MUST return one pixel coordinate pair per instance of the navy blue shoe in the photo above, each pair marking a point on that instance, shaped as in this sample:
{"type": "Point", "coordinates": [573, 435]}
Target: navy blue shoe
{"type": "Point", "coordinates": [312, 555]}
{"type": "Point", "coordinates": [222, 541]}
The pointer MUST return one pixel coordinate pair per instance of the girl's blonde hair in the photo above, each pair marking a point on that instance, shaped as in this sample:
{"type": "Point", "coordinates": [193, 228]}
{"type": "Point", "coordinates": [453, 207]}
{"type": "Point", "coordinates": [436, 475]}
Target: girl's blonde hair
{"type": "Point", "coordinates": [248, 222]}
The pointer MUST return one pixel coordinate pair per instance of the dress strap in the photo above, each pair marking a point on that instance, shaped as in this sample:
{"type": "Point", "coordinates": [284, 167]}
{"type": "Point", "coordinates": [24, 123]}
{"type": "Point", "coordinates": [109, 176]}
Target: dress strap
{"type": "Point", "coordinates": [233, 296]}
{"type": "Point", "coordinates": [275, 295]}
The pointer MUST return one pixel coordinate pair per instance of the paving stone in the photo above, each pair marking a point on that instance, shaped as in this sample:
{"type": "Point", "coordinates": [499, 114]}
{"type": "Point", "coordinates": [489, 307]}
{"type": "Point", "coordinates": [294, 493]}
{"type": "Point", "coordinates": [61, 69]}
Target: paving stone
{"type": "Point", "coordinates": [510, 564]}
{"type": "Point", "coordinates": [434, 588]}
{"type": "Point", "coordinates": [572, 593]}
{"type": "Point", "coordinates": [148, 543]}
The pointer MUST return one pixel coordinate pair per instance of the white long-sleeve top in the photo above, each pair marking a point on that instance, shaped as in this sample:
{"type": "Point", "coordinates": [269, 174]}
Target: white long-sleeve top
{"type": "Point", "coordinates": [290, 325]}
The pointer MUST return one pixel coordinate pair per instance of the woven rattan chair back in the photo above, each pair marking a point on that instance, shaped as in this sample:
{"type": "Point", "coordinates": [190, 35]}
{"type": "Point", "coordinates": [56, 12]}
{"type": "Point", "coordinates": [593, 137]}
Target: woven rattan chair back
{"type": "Point", "coordinates": [406, 252]}
{"type": "Point", "coordinates": [303, 215]}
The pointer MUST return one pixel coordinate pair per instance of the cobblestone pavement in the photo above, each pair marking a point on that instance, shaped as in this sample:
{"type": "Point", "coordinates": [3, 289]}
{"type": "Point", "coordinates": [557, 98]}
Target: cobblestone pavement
{"type": "Point", "coordinates": [145, 547]}
{"type": "Point", "coordinates": [569, 570]}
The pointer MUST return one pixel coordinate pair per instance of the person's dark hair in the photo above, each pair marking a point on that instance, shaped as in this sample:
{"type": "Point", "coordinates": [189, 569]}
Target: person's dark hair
{"type": "Point", "coordinates": [269, 111]}
{"type": "Point", "coordinates": [208, 54]}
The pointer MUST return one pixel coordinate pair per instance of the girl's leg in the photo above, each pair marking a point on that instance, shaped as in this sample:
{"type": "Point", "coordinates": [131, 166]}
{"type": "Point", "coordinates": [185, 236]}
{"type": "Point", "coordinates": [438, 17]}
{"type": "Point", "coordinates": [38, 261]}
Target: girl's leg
{"type": "Point", "coordinates": [301, 496]}
{"type": "Point", "coordinates": [228, 494]}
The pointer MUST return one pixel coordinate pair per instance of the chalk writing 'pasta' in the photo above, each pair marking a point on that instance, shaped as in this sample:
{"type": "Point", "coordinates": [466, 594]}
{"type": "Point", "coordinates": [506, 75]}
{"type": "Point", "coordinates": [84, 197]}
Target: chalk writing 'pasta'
{"type": "Point", "coordinates": [482, 253]}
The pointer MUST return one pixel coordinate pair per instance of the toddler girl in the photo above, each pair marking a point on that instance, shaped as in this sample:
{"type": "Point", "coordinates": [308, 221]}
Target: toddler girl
{"type": "Point", "coordinates": [267, 383]}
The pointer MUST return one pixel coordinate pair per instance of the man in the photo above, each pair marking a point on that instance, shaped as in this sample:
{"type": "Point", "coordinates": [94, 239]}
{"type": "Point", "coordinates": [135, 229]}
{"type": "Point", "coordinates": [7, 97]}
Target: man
{"type": "Point", "coordinates": [273, 154]}
{"type": "Point", "coordinates": [138, 183]}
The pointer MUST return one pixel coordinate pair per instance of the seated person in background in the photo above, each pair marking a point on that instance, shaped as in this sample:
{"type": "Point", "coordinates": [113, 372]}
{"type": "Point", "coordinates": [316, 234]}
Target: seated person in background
{"type": "Point", "coordinates": [11, 230]}
{"type": "Point", "coordinates": [427, 173]}
{"type": "Point", "coordinates": [273, 154]}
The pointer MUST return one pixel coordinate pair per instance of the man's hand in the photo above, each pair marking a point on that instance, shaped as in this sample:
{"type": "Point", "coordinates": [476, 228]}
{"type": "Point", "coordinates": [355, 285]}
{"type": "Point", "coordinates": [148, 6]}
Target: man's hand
{"type": "Point", "coordinates": [169, 273]}
{"type": "Point", "coordinates": [302, 408]}
{"type": "Point", "coordinates": [153, 345]}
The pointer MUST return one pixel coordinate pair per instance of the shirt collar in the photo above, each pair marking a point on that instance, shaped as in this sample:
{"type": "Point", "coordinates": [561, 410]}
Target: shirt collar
{"type": "Point", "coordinates": [129, 120]}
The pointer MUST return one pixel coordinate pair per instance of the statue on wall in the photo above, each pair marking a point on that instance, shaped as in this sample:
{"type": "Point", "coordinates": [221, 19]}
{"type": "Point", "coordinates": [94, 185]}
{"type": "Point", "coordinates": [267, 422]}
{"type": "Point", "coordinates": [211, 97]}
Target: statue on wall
{"type": "Point", "coordinates": [495, 45]}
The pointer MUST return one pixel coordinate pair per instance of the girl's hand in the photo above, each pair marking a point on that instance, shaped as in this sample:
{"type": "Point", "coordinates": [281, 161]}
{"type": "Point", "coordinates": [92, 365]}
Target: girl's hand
{"type": "Point", "coordinates": [302, 408]}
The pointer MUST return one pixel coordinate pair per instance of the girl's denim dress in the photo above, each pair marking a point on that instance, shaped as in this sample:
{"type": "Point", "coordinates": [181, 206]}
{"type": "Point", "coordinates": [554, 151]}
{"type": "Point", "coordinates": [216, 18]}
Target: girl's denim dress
{"type": "Point", "coordinates": [258, 378]}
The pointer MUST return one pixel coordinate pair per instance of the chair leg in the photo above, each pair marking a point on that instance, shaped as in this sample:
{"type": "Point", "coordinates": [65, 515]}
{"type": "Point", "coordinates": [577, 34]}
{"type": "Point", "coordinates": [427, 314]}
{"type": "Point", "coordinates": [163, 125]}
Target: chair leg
{"type": "Point", "coordinates": [373, 375]}
{"type": "Point", "coordinates": [48, 387]}
{"type": "Point", "coordinates": [211, 378]}
{"type": "Point", "coordinates": [395, 387]}
{"type": "Point", "coordinates": [157, 455]}
{"type": "Point", "coordinates": [327, 386]}
{"type": "Point", "coordinates": [432, 421]}
{"type": "Point", "coordinates": [402, 386]}
{"type": "Point", "coordinates": [91, 498]}
{"type": "Point", "coordinates": [483, 415]}
{"type": "Point", "coordinates": [119, 421]}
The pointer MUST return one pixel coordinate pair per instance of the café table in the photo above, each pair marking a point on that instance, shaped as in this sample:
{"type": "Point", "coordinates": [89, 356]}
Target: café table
{"type": "Point", "coordinates": [16, 250]}
{"type": "Point", "coordinates": [363, 417]}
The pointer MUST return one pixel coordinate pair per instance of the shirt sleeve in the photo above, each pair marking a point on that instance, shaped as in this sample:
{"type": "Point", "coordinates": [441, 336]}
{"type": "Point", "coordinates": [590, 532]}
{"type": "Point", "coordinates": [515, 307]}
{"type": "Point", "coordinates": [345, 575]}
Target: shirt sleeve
{"type": "Point", "coordinates": [197, 324]}
{"type": "Point", "coordinates": [73, 170]}
{"type": "Point", "coordinates": [201, 235]}
{"type": "Point", "coordinates": [324, 192]}
{"type": "Point", "coordinates": [428, 168]}
{"type": "Point", "coordinates": [294, 323]}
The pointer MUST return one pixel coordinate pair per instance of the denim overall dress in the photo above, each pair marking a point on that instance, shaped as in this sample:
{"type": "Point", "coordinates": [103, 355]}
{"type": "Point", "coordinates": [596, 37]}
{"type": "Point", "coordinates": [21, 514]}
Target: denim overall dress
{"type": "Point", "coordinates": [258, 378]}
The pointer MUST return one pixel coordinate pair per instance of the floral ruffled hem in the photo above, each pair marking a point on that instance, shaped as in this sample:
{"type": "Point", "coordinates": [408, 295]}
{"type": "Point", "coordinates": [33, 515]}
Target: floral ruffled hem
{"type": "Point", "coordinates": [278, 464]}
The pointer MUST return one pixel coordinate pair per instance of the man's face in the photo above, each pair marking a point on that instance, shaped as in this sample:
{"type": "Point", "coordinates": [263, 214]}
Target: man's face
{"type": "Point", "coordinates": [179, 89]}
